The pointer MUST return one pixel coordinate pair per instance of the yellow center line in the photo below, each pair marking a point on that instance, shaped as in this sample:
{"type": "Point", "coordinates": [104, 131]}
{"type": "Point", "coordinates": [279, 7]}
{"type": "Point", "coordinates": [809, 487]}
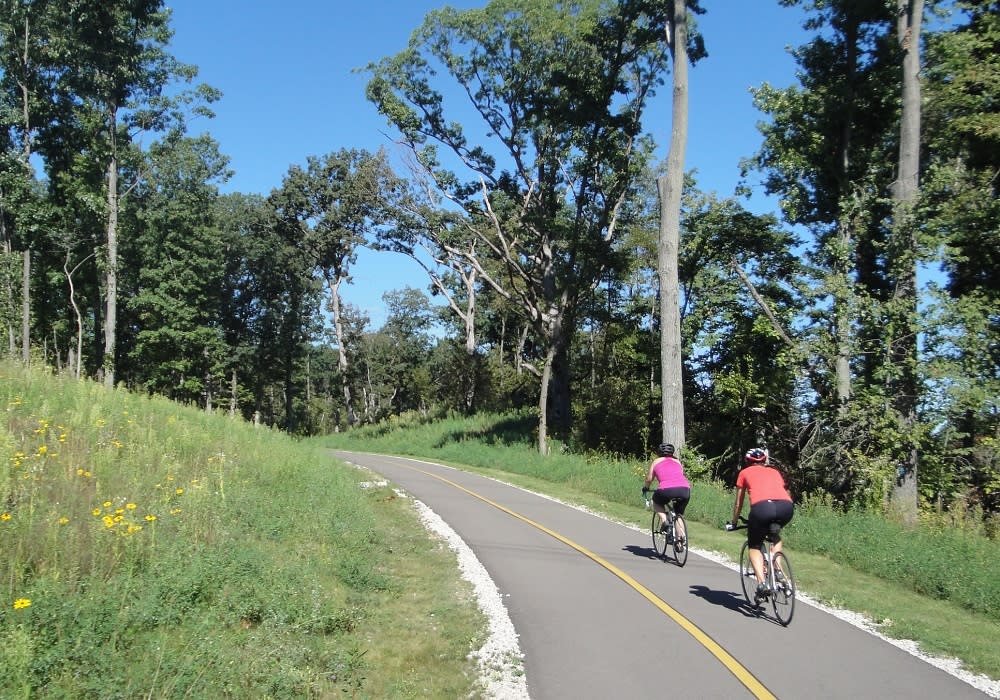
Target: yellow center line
{"type": "Point", "coordinates": [735, 667]}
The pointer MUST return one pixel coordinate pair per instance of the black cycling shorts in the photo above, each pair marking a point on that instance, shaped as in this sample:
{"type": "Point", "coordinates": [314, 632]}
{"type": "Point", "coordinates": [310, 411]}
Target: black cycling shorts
{"type": "Point", "coordinates": [680, 495]}
{"type": "Point", "coordinates": [762, 515]}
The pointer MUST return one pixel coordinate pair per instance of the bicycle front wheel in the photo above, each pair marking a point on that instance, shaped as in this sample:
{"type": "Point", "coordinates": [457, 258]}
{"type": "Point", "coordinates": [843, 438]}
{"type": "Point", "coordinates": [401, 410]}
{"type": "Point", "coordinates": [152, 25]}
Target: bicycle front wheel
{"type": "Point", "coordinates": [783, 598]}
{"type": "Point", "coordinates": [680, 540]}
{"type": "Point", "coordinates": [747, 578]}
{"type": "Point", "coordinates": [659, 536]}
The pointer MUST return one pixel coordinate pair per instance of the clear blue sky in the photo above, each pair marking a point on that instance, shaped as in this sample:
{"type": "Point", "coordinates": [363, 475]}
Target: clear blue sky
{"type": "Point", "coordinates": [286, 71]}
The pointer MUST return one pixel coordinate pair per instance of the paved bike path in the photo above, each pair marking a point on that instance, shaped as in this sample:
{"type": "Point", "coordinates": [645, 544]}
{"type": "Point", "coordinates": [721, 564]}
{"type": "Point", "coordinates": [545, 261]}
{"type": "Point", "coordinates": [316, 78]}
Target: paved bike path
{"type": "Point", "coordinates": [590, 632]}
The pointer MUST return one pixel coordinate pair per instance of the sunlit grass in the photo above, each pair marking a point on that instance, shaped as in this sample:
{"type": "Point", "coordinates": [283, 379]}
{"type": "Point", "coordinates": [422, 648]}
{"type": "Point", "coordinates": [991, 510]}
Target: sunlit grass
{"type": "Point", "coordinates": [153, 550]}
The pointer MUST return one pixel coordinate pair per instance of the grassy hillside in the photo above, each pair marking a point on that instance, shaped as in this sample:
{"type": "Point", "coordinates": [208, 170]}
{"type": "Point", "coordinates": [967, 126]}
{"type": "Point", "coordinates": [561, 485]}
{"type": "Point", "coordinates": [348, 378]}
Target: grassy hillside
{"type": "Point", "coordinates": [935, 584]}
{"type": "Point", "coordinates": [151, 550]}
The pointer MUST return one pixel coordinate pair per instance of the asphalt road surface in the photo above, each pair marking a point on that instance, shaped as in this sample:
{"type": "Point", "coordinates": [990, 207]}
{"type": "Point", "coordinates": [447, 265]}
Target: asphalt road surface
{"type": "Point", "coordinates": [599, 616]}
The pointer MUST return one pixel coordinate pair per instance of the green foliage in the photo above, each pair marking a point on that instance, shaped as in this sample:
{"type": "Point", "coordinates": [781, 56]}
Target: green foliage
{"type": "Point", "coordinates": [613, 417]}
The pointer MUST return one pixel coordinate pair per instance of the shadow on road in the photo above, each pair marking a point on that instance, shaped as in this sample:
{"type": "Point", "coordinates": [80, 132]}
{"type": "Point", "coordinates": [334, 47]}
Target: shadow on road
{"type": "Point", "coordinates": [644, 552]}
{"type": "Point", "coordinates": [727, 599]}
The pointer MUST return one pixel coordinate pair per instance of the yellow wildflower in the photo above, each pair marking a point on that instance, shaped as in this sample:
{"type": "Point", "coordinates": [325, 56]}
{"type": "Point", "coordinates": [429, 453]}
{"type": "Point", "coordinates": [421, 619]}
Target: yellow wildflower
{"type": "Point", "coordinates": [95, 512]}
{"type": "Point", "coordinates": [5, 517]}
{"type": "Point", "coordinates": [63, 520]}
{"type": "Point", "coordinates": [150, 518]}
{"type": "Point", "coordinates": [130, 506]}
{"type": "Point", "coordinates": [179, 492]}
{"type": "Point", "coordinates": [22, 603]}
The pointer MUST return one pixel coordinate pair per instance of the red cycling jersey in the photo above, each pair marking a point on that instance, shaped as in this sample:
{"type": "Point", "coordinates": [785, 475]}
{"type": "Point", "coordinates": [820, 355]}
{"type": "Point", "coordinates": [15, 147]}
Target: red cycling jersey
{"type": "Point", "coordinates": [763, 483]}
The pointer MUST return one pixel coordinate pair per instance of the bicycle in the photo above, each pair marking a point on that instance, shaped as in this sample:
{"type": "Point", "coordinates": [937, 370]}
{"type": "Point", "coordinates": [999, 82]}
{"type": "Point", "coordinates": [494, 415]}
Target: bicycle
{"type": "Point", "coordinates": [665, 534]}
{"type": "Point", "coordinates": [778, 580]}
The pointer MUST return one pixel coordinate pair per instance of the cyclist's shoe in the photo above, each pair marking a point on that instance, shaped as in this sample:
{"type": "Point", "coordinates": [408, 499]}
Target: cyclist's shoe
{"type": "Point", "coordinates": [762, 591]}
{"type": "Point", "coordinates": [681, 543]}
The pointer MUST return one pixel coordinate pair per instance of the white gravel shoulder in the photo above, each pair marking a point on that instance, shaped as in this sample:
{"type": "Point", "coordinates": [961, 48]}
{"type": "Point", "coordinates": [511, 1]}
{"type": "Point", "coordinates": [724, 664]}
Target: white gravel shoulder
{"type": "Point", "coordinates": [501, 662]}
{"type": "Point", "coordinates": [500, 659]}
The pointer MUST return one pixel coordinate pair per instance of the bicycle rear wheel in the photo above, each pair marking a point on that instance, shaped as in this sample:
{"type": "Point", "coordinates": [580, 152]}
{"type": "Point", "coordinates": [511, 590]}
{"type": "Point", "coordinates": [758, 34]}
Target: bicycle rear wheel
{"type": "Point", "coordinates": [747, 578]}
{"type": "Point", "coordinates": [659, 536]}
{"type": "Point", "coordinates": [783, 597]}
{"type": "Point", "coordinates": [680, 542]}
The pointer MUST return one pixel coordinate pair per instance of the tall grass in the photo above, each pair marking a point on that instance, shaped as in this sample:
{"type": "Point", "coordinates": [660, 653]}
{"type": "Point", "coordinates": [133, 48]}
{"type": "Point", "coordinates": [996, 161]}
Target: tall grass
{"type": "Point", "coordinates": [150, 550]}
{"type": "Point", "coordinates": [942, 563]}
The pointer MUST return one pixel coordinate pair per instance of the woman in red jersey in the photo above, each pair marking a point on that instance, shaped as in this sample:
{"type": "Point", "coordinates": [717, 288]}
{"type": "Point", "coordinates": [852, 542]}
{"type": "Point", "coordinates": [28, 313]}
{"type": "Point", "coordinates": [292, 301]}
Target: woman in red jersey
{"type": "Point", "coordinates": [770, 502]}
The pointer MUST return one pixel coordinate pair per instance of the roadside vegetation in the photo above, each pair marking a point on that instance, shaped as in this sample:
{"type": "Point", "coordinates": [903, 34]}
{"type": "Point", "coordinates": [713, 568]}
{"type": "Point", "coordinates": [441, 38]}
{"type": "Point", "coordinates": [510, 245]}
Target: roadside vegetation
{"type": "Point", "coordinates": [934, 583]}
{"type": "Point", "coordinates": [153, 550]}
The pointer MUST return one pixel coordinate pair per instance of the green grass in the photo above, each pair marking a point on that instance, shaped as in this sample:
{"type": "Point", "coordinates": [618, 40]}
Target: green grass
{"type": "Point", "coordinates": [152, 550]}
{"type": "Point", "coordinates": [934, 585]}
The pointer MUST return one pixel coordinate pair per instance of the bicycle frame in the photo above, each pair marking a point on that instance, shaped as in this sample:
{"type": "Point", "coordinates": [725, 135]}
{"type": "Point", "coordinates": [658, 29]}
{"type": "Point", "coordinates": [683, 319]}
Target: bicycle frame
{"type": "Point", "coordinates": [778, 581]}
{"type": "Point", "coordinates": [666, 533]}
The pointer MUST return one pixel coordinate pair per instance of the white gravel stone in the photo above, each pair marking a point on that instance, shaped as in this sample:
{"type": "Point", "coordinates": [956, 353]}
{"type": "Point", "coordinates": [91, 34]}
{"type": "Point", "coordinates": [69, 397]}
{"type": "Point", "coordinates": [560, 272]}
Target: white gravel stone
{"type": "Point", "coordinates": [500, 660]}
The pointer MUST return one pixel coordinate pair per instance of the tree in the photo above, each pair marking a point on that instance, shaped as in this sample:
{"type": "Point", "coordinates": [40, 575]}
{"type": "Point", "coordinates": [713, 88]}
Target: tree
{"type": "Point", "coordinates": [251, 300]}
{"type": "Point", "coordinates": [111, 78]}
{"type": "Point", "coordinates": [331, 205]}
{"type": "Point", "coordinates": [905, 191]}
{"type": "Point", "coordinates": [829, 153]}
{"type": "Point", "coordinates": [670, 185]}
{"type": "Point", "coordinates": [175, 277]}
{"type": "Point", "coordinates": [960, 204]}
{"type": "Point", "coordinates": [560, 90]}
{"type": "Point", "coordinates": [25, 92]}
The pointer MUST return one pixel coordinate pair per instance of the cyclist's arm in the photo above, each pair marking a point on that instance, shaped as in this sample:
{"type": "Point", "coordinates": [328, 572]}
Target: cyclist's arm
{"type": "Point", "coordinates": [649, 477]}
{"type": "Point", "coordinates": [738, 505]}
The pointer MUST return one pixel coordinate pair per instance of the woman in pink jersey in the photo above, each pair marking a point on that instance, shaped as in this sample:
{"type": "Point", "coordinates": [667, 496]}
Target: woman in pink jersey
{"type": "Point", "coordinates": [770, 502]}
{"type": "Point", "coordinates": [671, 485]}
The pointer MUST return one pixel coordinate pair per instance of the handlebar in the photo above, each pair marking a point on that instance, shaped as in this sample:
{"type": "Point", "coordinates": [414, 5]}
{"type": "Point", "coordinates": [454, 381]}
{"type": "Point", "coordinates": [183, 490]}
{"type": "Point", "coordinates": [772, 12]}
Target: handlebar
{"type": "Point", "coordinates": [729, 527]}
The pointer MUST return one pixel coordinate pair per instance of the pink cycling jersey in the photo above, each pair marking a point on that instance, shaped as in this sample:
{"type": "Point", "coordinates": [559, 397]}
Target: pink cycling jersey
{"type": "Point", "coordinates": [669, 473]}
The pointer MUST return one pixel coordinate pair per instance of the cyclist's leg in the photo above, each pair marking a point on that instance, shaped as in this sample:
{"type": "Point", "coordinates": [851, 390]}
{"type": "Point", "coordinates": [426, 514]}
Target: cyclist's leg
{"type": "Point", "coordinates": [783, 511]}
{"type": "Point", "coordinates": [658, 505]}
{"type": "Point", "coordinates": [681, 498]}
{"type": "Point", "coordinates": [680, 526]}
{"type": "Point", "coordinates": [757, 523]}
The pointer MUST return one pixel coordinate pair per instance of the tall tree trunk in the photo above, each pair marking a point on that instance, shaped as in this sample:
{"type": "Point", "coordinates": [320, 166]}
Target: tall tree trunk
{"type": "Point", "coordinates": [76, 313]}
{"type": "Point", "coordinates": [26, 155]}
{"type": "Point", "coordinates": [843, 313]}
{"type": "Point", "coordinates": [233, 392]}
{"type": "Point", "coordinates": [342, 359]}
{"type": "Point", "coordinates": [111, 271]}
{"type": "Point", "coordinates": [26, 307]}
{"type": "Point", "coordinates": [670, 187]}
{"type": "Point", "coordinates": [543, 400]}
{"type": "Point", "coordinates": [906, 191]}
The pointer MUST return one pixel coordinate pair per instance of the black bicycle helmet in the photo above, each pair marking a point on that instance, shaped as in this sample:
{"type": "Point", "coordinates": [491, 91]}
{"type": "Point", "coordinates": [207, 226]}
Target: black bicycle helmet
{"type": "Point", "coordinates": [756, 456]}
{"type": "Point", "coordinates": [665, 449]}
